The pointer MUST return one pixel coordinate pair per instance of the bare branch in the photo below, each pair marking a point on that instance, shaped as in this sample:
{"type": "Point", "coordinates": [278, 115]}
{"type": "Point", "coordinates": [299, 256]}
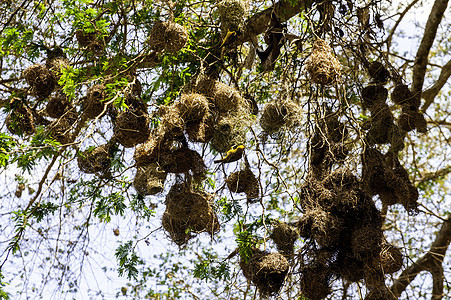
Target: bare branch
{"type": "Point", "coordinates": [430, 93]}
{"type": "Point", "coordinates": [421, 59]}
{"type": "Point", "coordinates": [431, 261]}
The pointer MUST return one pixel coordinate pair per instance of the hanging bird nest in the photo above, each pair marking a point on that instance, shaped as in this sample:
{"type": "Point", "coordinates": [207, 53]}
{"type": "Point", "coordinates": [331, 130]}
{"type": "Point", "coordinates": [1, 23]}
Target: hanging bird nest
{"type": "Point", "coordinates": [131, 128]}
{"type": "Point", "coordinates": [149, 179]}
{"type": "Point", "coordinates": [95, 160]}
{"type": "Point", "coordinates": [232, 14]}
{"type": "Point", "coordinates": [335, 131]}
{"type": "Point", "coordinates": [188, 212]}
{"type": "Point", "coordinates": [315, 281]}
{"type": "Point", "coordinates": [284, 236]}
{"type": "Point", "coordinates": [366, 242]}
{"type": "Point", "coordinates": [40, 80]}
{"type": "Point", "coordinates": [168, 36]}
{"type": "Point", "coordinates": [201, 84]}
{"type": "Point", "coordinates": [183, 160]}
{"type": "Point", "coordinates": [401, 94]}
{"type": "Point", "coordinates": [57, 105]}
{"type": "Point", "coordinates": [326, 228]}
{"type": "Point", "coordinates": [60, 130]}
{"type": "Point", "coordinates": [244, 181]}
{"type": "Point", "coordinates": [411, 119]}
{"type": "Point", "coordinates": [227, 99]}
{"type": "Point", "coordinates": [279, 114]}
{"type": "Point", "coordinates": [228, 131]}
{"type": "Point", "coordinates": [93, 104]}
{"type": "Point", "coordinates": [380, 293]}
{"type": "Point", "coordinates": [91, 41]}
{"type": "Point", "coordinates": [381, 125]}
{"type": "Point", "coordinates": [374, 275]}
{"type": "Point", "coordinates": [349, 267]}
{"type": "Point", "coordinates": [20, 121]}
{"type": "Point", "coordinates": [373, 95]}
{"type": "Point", "coordinates": [55, 65]}
{"type": "Point", "coordinates": [199, 132]}
{"type": "Point", "coordinates": [267, 271]}
{"type": "Point", "coordinates": [390, 258]}
{"type": "Point", "coordinates": [378, 72]}
{"type": "Point", "coordinates": [192, 107]}
{"type": "Point", "coordinates": [172, 123]}
{"type": "Point", "coordinates": [323, 67]}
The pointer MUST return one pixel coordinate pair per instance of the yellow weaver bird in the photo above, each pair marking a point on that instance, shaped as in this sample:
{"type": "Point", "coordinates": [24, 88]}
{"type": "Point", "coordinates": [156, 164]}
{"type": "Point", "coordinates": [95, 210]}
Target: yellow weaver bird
{"type": "Point", "coordinates": [232, 155]}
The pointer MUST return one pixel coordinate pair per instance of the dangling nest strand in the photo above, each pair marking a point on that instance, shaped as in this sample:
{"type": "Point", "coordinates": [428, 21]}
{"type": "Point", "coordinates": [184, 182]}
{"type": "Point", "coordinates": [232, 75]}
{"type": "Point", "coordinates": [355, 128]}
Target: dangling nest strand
{"type": "Point", "coordinates": [323, 67]}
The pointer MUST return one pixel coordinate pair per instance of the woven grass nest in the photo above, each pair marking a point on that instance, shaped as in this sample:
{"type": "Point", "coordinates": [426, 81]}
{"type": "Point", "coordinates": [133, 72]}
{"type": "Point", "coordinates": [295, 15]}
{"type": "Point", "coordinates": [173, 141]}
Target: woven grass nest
{"type": "Point", "coordinates": [55, 65]}
{"type": "Point", "coordinates": [40, 79]}
{"type": "Point", "coordinates": [149, 179]}
{"type": "Point", "coordinates": [267, 271]}
{"type": "Point", "coordinates": [168, 36]}
{"type": "Point", "coordinates": [93, 104]}
{"type": "Point", "coordinates": [131, 127]}
{"type": "Point", "coordinates": [232, 14]}
{"type": "Point", "coordinates": [183, 160]}
{"type": "Point", "coordinates": [380, 293]}
{"type": "Point", "coordinates": [378, 72]}
{"type": "Point", "coordinates": [60, 130]}
{"type": "Point", "coordinates": [95, 161]}
{"type": "Point", "coordinates": [20, 120]}
{"type": "Point", "coordinates": [373, 95]}
{"type": "Point", "coordinates": [192, 107]}
{"type": "Point", "coordinates": [228, 131]}
{"type": "Point", "coordinates": [284, 236]}
{"type": "Point", "coordinates": [188, 212]}
{"type": "Point", "coordinates": [322, 66]}
{"type": "Point", "coordinates": [411, 119]}
{"type": "Point", "coordinates": [279, 114]}
{"type": "Point", "coordinates": [315, 281]}
{"type": "Point", "coordinates": [390, 258]}
{"type": "Point", "coordinates": [244, 181]}
{"type": "Point", "coordinates": [366, 242]}
{"type": "Point", "coordinates": [381, 125]}
{"type": "Point", "coordinates": [90, 41]}
{"type": "Point", "coordinates": [349, 267]}
{"type": "Point", "coordinates": [58, 105]}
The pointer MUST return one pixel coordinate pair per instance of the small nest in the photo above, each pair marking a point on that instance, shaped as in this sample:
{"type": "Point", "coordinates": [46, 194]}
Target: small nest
{"type": "Point", "coordinates": [90, 41]}
{"type": "Point", "coordinates": [227, 99]}
{"type": "Point", "coordinates": [40, 80]}
{"type": "Point", "coordinates": [60, 130]}
{"type": "Point", "coordinates": [232, 14]}
{"type": "Point", "coordinates": [230, 130]}
{"type": "Point", "coordinates": [401, 94]}
{"type": "Point", "coordinates": [373, 95]}
{"type": "Point", "coordinates": [168, 36]}
{"type": "Point", "coordinates": [55, 65]}
{"type": "Point", "coordinates": [323, 67]}
{"type": "Point", "coordinates": [188, 212]}
{"type": "Point", "coordinates": [411, 119]}
{"type": "Point", "coordinates": [192, 107]}
{"type": "Point", "coordinates": [326, 228]}
{"type": "Point", "coordinates": [20, 121]}
{"type": "Point", "coordinates": [244, 181]}
{"type": "Point", "coordinates": [131, 128]}
{"type": "Point", "coordinates": [172, 123]}
{"type": "Point", "coordinates": [284, 236]}
{"type": "Point", "coordinates": [149, 179]}
{"type": "Point", "coordinates": [148, 152]}
{"type": "Point", "coordinates": [350, 268]}
{"type": "Point", "coordinates": [366, 242]}
{"type": "Point", "coordinates": [280, 114]}
{"type": "Point", "coordinates": [391, 259]}
{"type": "Point", "coordinates": [198, 132]}
{"type": "Point", "coordinates": [57, 105]}
{"type": "Point", "coordinates": [315, 280]}
{"type": "Point", "coordinates": [380, 293]}
{"type": "Point", "coordinates": [96, 160]}
{"type": "Point", "coordinates": [202, 84]}
{"type": "Point", "coordinates": [267, 271]}
{"type": "Point", "coordinates": [182, 160]}
{"type": "Point", "coordinates": [382, 123]}
{"type": "Point", "coordinates": [93, 104]}
{"type": "Point", "coordinates": [378, 72]}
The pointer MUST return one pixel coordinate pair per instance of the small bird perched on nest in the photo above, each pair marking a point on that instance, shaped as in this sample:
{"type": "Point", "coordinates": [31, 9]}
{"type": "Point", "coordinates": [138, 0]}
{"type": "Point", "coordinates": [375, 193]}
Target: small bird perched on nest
{"type": "Point", "coordinates": [232, 155]}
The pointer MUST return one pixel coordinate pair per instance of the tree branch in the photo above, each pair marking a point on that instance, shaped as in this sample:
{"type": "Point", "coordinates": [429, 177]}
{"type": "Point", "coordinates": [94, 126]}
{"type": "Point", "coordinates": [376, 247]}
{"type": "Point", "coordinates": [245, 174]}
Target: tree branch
{"type": "Point", "coordinates": [430, 93]}
{"type": "Point", "coordinates": [431, 261]}
{"type": "Point", "coordinates": [421, 59]}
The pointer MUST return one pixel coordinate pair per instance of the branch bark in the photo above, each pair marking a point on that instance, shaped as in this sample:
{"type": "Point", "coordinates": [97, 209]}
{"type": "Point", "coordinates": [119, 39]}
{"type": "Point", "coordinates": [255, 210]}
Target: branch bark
{"type": "Point", "coordinates": [432, 262]}
{"type": "Point", "coordinates": [430, 94]}
{"type": "Point", "coordinates": [421, 59]}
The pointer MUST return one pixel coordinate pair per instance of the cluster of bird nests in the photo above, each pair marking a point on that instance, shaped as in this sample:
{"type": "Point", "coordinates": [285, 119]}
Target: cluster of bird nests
{"type": "Point", "coordinates": [188, 212]}
{"type": "Point", "coordinates": [91, 41]}
{"type": "Point", "coordinates": [383, 175]}
{"type": "Point", "coordinates": [40, 79]}
{"type": "Point", "coordinates": [267, 271]}
{"type": "Point", "coordinates": [322, 65]}
{"type": "Point", "coordinates": [149, 179]}
{"type": "Point", "coordinates": [20, 120]}
{"type": "Point", "coordinates": [168, 36]}
{"type": "Point", "coordinates": [278, 115]}
{"type": "Point", "coordinates": [95, 160]}
{"type": "Point", "coordinates": [232, 14]}
{"type": "Point", "coordinates": [328, 144]}
{"type": "Point", "coordinates": [244, 181]}
{"type": "Point", "coordinates": [284, 236]}
{"type": "Point", "coordinates": [344, 227]}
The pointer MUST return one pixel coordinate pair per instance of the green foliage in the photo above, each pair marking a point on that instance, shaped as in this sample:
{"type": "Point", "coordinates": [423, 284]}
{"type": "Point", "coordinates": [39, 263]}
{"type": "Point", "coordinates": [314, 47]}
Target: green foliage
{"type": "Point", "coordinates": [128, 260]}
{"type": "Point", "coordinates": [246, 242]}
{"type": "Point", "coordinates": [41, 210]}
{"type": "Point", "coordinates": [208, 269]}
{"type": "Point", "coordinates": [3, 294]}
{"type": "Point", "coordinates": [7, 143]}
{"type": "Point", "coordinates": [138, 205]}
{"type": "Point", "coordinates": [111, 204]}
{"type": "Point", "coordinates": [229, 208]}
{"type": "Point", "coordinates": [69, 80]}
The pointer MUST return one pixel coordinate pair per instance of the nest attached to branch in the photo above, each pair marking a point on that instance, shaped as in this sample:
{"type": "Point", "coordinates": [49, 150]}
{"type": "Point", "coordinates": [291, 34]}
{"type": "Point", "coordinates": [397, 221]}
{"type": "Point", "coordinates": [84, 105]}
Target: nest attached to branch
{"type": "Point", "coordinates": [93, 104]}
{"type": "Point", "coordinates": [149, 179]}
{"type": "Point", "coordinates": [366, 242]}
{"type": "Point", "coordinates": [168, 36]}
{"type": "Point", "coordinates": [284, 236]}
{"type": "Point", "coordinates": [232, 14]}
{"type": "Point", "coordinates": [267, 271]}
{"type": "Point", "coordinates": [380, 293]}
{"type": "Point", "coordinates": [228, 131]}
{"type": "Point", "coordinates": [97, 160]}
{"type": "Point", "coordinates": [378, 72]}
{"type": "Point", "coordinates": [90, 41]}
{"type": "Point", "coordinates": [188, 212]}
{"type": "Point", "coordinates": [373, 95]}
{"type": "Point", "coordinates": [323, 67]}
{"type": "Point", "coordinates": [57, 105]}
{"type": "Point", "coordinates": [411, 119]}
{"type": "Point", "coordinates": [381, 125]}
{"type": "Point", "coordinates": [183, 160]}
{"type": "Point", "coordinates": [40, 79]}
{"type": "Point", "coordinates": [192, 107]}
{"type": "Point", "coordinates": [60, 130]}
{"type": "Point", "coordinates": [280, 114]}
{"type": "Point", "coordinates": [244, 181]}
{"type": "Point", "coordinates": [131, 127]}
{"type": "Point", "coordinates": [349, 267]}
{"type": "Point", "coordinates": [20, 121]}
{"type": "Point", "coordinates": [55, 65]}
{"type": "Point", "coordinates": [390, 258]}
{"type": "Point", "coordinates": [315, 281]}
{"type": "Point", "coordinates": [401, 94]}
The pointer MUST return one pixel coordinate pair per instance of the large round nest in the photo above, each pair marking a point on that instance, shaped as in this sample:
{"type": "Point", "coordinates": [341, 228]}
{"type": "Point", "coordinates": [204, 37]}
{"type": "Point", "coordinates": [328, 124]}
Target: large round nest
{"type": "Point", "coordinates": [93, 104]}
{"type": "Point", "coordinates": [40, 80]}
{"type": "Point", "coordinates": [378, 72]}
{"type": "Point", "coordinates": [401, 94]}
{"type": "Point", "coordinates": [326, 228]}
{"type": "Point", "coordinates": [228, 131]}
{"type": "Point", "coordinates": [323, 67]}
{"type": "Point", "coordinates": [149, 179]}
{"type": "Point", "coordinates": [231, 14]}
{"type": "Point", "coordinates": [373, 95]}
{"type": "Point", "coordinates": [182, 160]}
{"type": "Point", "coordinates": [20, 121]}
{"type": "Point", "coordinates": [315, 280]}
{"type": "Point", "coordinates": [131, 128]}
{"type": "Point", "coordinates": [188, 212]}
{"type": "Point", "coordinates": [227, 99]}
{"type": "Point", "coordinates": [192, 107]}
{"type": "Point", "coordinates": [391, 258]}
{"type": "Point", "coordinates": [57, 105]}
{"type": "Point", "coordinates": [95, 160]}
{"type": "Point", "coordinates": [199, 132]}
{"type": "Point", "coordinates": [279, 114]}
{"type": "Point", "coordinates": [89, 41]}
{"type": "Point", "coordinates": [267, 271]}
{"type": "Point", "coordinates": [60, 130]}
{"type": "Point", "coordinates": [244, 181]}
{"type": "Point", "coordinates": [366, 242]}
{"type": "Point", "coordinates": [167, 35]}
{"type": "Point", "coordinates": [284, 236]}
